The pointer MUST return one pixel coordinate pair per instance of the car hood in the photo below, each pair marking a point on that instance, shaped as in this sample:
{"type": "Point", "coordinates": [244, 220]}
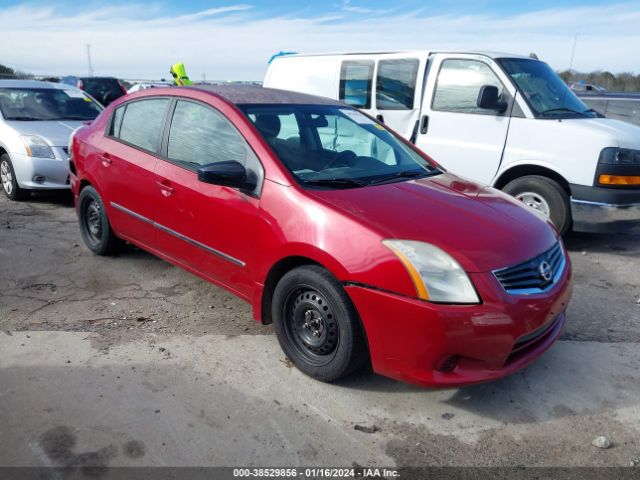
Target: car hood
{"type": "Point", "coordinates": [482, 228]}
{"type": "Point", "coordinates": [54, 132]}
{"type": "Point", "coordinates": [613, 133]}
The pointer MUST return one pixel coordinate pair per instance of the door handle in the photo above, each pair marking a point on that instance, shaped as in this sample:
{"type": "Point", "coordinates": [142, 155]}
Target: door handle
{"type": "Point", "coordinates": [424, 124]}
{"type": "Point", "coordinates": [380, 118]}
{"type": "Point", "coordinates": [165, 189]}
{"type": "Point", "coordinates": [105, 159]}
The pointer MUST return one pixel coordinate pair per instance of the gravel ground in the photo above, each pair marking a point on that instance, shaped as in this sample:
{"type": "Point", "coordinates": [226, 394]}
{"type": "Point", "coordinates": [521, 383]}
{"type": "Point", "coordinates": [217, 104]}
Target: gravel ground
{"type": "Point", "coordinates": [115, 313]}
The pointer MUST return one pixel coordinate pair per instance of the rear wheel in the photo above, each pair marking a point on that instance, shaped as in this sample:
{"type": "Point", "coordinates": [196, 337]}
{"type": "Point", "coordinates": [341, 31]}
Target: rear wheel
{"type": "Point", "coordinates": [9, 182]}
{"type": "Point", "coordinates": [544, 195]}
{"type": "Point", "coordinates": [94, 224]}
{"type": "Point", "coordinates": [317, 325]}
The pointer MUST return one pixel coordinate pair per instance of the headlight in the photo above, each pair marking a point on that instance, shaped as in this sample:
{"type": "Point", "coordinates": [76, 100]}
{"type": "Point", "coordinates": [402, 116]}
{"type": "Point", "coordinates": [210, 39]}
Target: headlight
{"type": "Point", "coordinates": [436, 276]}
{"type": "Point", "coordinates": [619, 156]}
{"type": "Point", "coordinates": [37, 147]}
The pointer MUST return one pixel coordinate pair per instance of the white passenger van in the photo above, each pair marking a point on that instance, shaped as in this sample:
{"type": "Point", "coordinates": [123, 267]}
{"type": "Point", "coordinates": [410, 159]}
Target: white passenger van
{"type": "Point", "coordinates": [503, 120]}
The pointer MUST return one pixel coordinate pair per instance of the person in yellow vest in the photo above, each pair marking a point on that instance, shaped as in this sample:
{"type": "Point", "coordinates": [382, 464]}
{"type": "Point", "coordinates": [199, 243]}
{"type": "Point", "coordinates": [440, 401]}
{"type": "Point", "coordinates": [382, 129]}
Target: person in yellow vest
{"type": "Point", "coordinates": [179, 74]}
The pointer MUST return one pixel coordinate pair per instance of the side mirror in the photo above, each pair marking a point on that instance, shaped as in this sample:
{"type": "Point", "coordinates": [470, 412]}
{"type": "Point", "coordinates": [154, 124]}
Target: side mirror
{"type": "Point", "coordinates": [488, 99]}
{"type": "Point", "coordinates": [228, 174]}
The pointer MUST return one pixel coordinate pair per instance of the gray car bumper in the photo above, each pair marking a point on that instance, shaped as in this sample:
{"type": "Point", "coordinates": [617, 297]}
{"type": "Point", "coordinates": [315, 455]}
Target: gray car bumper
{"type": "Point", "coordinates": [600, 217]}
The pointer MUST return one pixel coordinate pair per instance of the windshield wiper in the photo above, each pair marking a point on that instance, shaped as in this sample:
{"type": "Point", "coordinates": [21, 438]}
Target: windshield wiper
{"type": "Point", "coordinates": [591, 110]}
{"type": "Point", "coordinates": [404, 174]}
{"type": "Point", "coordinates": [338, 182]}
{"type": "Point", "coordinates": [26, 119]}
{"type": "Point", "coordinates": [563, 109]}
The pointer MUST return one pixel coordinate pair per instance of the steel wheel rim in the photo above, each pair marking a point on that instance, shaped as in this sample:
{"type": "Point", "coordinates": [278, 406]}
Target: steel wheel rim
{"type": "Point", "coordinates": [311, 325]}
{"type": "Point", "coordinates": [6, 177]}
{"type": "Point", "coordinates": [92, 219]}
{"type": "Point", "coordinates": [535, 201]}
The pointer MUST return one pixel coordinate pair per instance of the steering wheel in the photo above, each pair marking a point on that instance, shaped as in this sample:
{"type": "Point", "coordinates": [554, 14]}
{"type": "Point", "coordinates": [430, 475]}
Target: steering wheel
{"type": "Point", "coordinates": [343, 159]}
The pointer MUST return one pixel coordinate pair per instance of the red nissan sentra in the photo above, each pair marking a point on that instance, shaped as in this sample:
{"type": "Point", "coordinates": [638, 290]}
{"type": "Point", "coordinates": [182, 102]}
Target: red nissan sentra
{"type": "Point", "coordinates": [355, 245]}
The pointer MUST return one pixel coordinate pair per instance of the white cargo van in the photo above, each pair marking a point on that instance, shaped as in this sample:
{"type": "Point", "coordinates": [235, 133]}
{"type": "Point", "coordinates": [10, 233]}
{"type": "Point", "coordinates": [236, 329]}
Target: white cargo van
{"type": "Point", "coordinates": [504, 120]}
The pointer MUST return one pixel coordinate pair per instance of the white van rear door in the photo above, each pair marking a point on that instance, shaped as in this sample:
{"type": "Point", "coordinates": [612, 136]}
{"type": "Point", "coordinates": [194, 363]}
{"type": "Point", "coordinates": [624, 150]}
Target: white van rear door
{"type": "Point", "coordinates": [398, 91]}
{"type": "Point", "coordinates": [465, 139]}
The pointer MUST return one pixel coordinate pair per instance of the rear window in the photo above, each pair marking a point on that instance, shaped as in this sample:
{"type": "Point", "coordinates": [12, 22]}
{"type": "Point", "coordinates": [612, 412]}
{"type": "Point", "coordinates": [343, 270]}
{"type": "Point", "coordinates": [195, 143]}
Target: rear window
{"type": "Point", "coordinates": [140, 123]}
{"type": "Point", "coordinates": [356, 79]}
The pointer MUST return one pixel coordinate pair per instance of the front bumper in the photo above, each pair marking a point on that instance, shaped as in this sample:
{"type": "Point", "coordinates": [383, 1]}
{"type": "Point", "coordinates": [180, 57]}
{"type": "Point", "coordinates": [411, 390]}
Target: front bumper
{"type": "Point", "coordinates": [604, 210]}
{"type": "Point", "coordinates": [54, 172]}
{"type": "Point", "coordinates": [410, 340]}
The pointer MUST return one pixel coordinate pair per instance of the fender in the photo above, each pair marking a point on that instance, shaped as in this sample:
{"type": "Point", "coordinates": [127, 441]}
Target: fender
{"type": "Point", "coordinates": [533, 162]}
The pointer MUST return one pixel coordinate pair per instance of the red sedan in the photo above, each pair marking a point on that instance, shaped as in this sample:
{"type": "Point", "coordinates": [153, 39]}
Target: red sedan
{"type": "Point", "coordinates": [355, 245]}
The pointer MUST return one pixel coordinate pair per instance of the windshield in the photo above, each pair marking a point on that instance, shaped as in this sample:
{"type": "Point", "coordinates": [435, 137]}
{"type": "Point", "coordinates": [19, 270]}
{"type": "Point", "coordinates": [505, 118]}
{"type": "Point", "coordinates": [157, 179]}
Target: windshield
{"type": "Point", "coordinates": [545, 92]}
{"type": "Point", "coordinates": [335, 147]}
{"type": "Point", "coordinates": [33, 104]}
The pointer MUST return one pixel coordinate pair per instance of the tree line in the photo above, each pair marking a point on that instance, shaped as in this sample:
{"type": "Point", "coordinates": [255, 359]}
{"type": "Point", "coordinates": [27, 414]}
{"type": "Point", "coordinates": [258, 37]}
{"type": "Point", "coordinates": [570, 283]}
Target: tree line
{"type": "Point", "coordinates": [621, 82]}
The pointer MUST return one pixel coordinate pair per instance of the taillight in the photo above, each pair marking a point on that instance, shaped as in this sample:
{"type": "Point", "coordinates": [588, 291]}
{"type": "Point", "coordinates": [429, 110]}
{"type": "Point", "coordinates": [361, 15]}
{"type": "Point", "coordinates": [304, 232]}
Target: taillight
{"type": "Point", "coordinates": [80, 85]}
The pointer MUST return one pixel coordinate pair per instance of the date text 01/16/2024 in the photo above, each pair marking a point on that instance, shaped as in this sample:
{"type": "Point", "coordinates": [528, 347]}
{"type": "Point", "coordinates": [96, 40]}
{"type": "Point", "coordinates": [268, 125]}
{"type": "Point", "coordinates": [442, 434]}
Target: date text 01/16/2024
{"type": "Point", "coordinates": [315, 473]}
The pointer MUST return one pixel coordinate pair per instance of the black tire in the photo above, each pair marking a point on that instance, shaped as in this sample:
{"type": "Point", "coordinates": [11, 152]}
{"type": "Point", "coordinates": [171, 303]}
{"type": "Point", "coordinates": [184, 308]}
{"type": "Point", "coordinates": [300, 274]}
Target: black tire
{"type": "Point", "coordinates": [10, 185]}
{"type": "Point", "coordinates": [94, 224]}
{"type": "Point", "coordinates": [547, 191]}
{"type": "Point", "coordinates": [333, 344]}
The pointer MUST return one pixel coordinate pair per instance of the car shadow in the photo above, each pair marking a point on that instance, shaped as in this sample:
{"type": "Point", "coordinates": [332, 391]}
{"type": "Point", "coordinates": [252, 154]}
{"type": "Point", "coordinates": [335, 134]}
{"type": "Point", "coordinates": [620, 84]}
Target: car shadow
{"type": "Point", "coordinates": [617, 243]}
{"type": "Point", "coordinates": [570, 379]}
{"type": "Point", "coordinates": [63, 198]}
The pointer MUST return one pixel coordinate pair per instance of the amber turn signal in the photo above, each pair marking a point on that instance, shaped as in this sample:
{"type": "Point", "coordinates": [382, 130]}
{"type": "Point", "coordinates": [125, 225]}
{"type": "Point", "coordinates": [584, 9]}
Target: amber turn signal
{"type": "Point", "coordinates": [619, 179]}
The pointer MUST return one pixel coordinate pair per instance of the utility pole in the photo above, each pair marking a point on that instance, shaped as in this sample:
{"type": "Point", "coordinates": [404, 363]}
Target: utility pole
{"type": "Point", "coordinates": [573, 51]}
{"type": "Point", "coordinates": [89, 60]}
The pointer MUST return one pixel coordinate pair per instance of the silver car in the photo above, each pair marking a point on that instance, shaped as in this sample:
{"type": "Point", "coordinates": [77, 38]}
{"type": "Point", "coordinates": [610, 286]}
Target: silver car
{"type": "Point", "coordinates": [36, 120]}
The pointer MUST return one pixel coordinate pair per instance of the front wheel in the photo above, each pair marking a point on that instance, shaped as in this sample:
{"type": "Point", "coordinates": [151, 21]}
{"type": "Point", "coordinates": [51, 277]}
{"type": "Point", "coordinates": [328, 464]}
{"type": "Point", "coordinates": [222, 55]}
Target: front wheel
{"type": "Point", "coordinates": [94, 225]}
{"type": "Point", "coordinates": [317, 325]}
{"type": "Point", "coordinates": [9, 182]}
{"type": "Point", "coordinates": [544, 195]}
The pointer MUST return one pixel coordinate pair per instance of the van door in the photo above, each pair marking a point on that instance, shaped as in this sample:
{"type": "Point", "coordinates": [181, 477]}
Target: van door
{"type": "Point", "coordinates": [454, 130]}
{"type": "Point", "coordinates": [397, 92]}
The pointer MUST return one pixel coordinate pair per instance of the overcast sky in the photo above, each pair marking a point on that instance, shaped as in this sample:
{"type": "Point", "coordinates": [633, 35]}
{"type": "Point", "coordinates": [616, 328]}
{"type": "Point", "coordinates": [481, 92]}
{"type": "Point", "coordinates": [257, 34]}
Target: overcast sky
{"type": "Point", "coordinates": [233, 41]}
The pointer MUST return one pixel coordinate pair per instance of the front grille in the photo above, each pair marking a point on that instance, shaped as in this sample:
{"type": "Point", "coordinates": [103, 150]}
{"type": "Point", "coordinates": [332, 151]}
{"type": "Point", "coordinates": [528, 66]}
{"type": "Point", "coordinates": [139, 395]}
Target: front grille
{"type": "Point", "coordinates": [536, 275]}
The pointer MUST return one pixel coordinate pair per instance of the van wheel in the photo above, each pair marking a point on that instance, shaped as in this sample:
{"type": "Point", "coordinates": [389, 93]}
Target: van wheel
{"type": "Point", "coordinates": [316, 324]}
{"type": "Point", "coordinates": [9, 182]}
{"type": "Point", "coordinates": [94, 224]}
{"type": "Point", "coordinates": [544, 195]}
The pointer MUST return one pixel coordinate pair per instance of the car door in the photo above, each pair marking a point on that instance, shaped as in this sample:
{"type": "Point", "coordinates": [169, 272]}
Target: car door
{"type": "Point", "coordinates": [207, 228]}
{"type": "Point", "coordinates": [127, 166]}
{"type": "Point", "coordinates": [397, 92]}
{"type": "Point", "coordinates": [464, 138]}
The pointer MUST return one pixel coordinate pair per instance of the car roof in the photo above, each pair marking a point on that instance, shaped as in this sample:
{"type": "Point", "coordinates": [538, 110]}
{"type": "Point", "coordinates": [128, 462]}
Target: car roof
{"type": "Point", "coordinates": [34, 84]}
{"type": "Point", "coordinates": [249, 94]}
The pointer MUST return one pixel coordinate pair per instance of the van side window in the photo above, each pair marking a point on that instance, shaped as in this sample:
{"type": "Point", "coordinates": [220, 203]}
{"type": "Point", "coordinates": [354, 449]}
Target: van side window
{"type": "Point", "coordinates": [200, 135]}
{"type": "Point", "coordinates": [356, 80]}
{"type": "Point", "coordinates": [396, 84]}
{"type": "Point", "coordinates": [458, 86]}
{"type": "Point", "coordinates": [141, 123]}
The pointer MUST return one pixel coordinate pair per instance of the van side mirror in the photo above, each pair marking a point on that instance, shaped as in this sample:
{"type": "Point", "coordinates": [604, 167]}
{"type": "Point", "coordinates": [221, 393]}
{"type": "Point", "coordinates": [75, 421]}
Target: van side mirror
{"type": "Point", "coordinates": [228, 174]}
{"type": "Point", "coordinates": [488, 99]}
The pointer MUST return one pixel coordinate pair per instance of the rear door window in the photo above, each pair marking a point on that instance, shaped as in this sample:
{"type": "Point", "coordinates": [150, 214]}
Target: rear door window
{"type": "Point", "coordinates": [141, 124]}
{"type": "Point", "coordinates": [356, 80]}
{"type": "Point", "coordinates": [396, 84]}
